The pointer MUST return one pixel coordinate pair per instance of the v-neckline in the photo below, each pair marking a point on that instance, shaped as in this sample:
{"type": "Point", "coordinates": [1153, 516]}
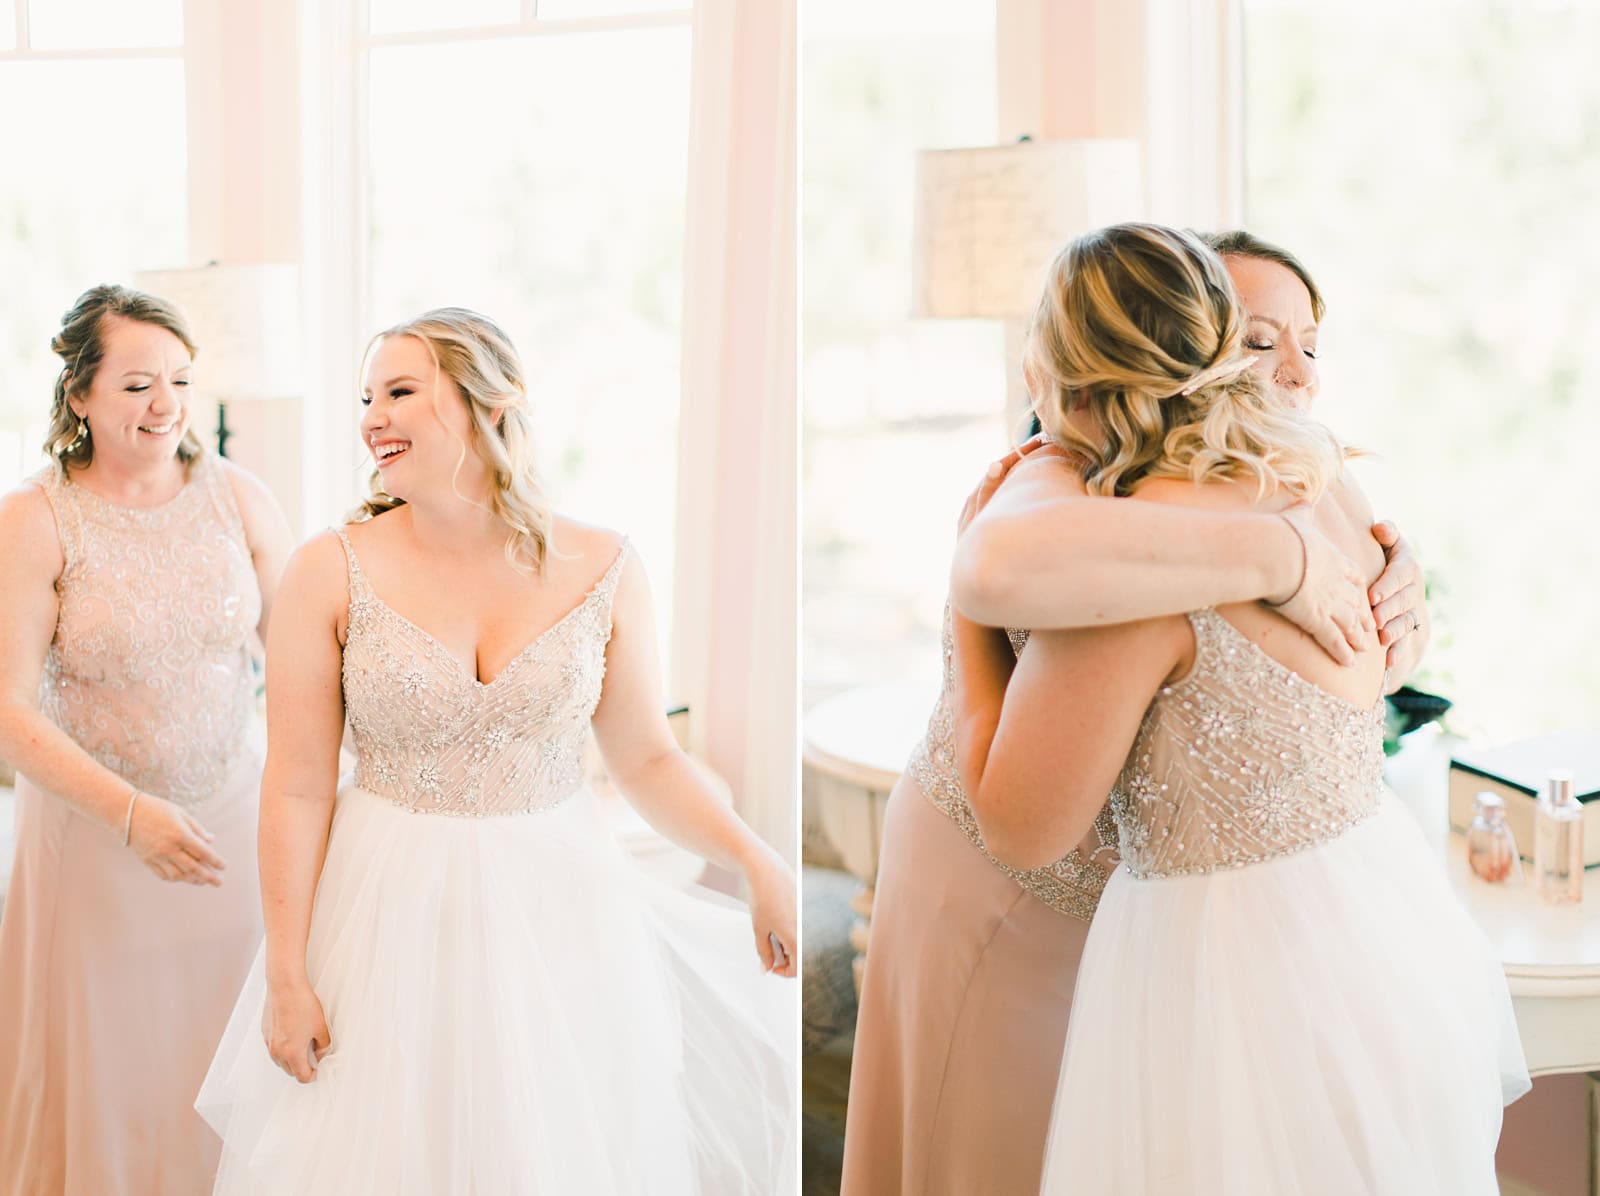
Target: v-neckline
{"type": "Point", "coordinates": [471, 674]}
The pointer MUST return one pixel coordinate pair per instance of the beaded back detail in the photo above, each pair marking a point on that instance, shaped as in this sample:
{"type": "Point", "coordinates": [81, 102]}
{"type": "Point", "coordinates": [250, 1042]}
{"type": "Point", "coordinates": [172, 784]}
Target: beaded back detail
{"type": "Point", "coordinates": [1243, 761]}
{"type": "Point", "coordinates": [431, 737]}
{"type": "Point", "coordinates": [149, 669]}
{"type": "Point", "coordinates": [1071, 885]}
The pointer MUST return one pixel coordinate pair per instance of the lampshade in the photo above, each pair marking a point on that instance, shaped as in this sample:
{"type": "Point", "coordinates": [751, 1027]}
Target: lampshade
{"type": "Point", "coordinates": [246, 322]}
{"type": "Point", "coordinates": [989, 221]}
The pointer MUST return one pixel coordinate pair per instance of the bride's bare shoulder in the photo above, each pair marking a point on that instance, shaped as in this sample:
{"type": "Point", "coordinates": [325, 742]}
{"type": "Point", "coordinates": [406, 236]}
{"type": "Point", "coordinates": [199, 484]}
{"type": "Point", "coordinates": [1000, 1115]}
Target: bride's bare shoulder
{"type": "Point", "coordinates": [1055, 460]}
{"type": "Point", "coordinates": [583, 550]}
{"type": "Point", "coordinates": [319, 567]}
{"type": "Point", "coordinates": [1047, 472]}
{"type": "Point", "coordinates": [1346, 494]}
{"type": "Point", "coordinates": [1210, 496]}
{"type": "Point", "coordinates": [1342, 500]}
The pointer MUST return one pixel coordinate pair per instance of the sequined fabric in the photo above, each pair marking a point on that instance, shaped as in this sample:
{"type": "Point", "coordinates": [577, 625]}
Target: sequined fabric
{"type": "Point", "coordinates": [431, 737]}
{"type": "Point", "coordinates": [1243, 761]}
{"type": "Point", "coordinates": [1073, 883]}
{"type": "Point", "coordinates": [149, 668]}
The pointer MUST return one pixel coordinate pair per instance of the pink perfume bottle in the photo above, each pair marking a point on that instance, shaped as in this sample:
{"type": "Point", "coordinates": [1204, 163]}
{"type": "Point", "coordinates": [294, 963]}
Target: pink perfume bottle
{"type": "Point", "coordinates": [1491, 850]}
{"type": "Point", "coordinates": [1558, 842]}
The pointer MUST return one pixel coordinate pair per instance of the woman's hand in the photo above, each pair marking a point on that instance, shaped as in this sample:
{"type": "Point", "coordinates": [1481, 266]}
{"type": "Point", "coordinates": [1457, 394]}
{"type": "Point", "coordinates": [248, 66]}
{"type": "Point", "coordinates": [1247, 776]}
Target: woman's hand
{"type": "Point", "coordinates": [172, 843]}
{"type": "Point", "coordinates": [1399, 604]}
{"type": "Point", "coordinates": [772, 913]}
{"type": "Point", "coordinates": [986, 489]}
{"type": "Point", "coordinates": [1331, 603]}
{"type": "Point", "coordinates": [294, 1028]}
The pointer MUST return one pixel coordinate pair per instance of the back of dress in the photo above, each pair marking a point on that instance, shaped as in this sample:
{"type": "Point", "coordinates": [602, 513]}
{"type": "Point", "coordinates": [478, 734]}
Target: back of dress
{"type": "Point", "coordinates": [1279, 992]}
{"type": "Point", "coordinates": [1243, 760]}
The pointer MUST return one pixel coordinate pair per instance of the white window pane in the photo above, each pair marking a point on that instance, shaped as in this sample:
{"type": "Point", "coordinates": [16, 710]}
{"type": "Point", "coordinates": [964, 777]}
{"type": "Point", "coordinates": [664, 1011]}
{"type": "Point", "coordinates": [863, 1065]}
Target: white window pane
{"type": "Point", "coordinates": [407, 16]}
{"type": "Point", "coordinates": [8, 24]}
{"type": "Point", "coordinates": [898, 18]}
{"type": "Point", "coordinates": [104, 24]}
{"type": "Point", "coordinates": [558, 212]}
{"type": "Point", "coordinates": [68, 222]}
{"type": "Point", "coordinates": [560, 10]}
{"type": "Point", "coordinates": [900, 415]}
{"type": "Point", "coordinates": [1439, 178]}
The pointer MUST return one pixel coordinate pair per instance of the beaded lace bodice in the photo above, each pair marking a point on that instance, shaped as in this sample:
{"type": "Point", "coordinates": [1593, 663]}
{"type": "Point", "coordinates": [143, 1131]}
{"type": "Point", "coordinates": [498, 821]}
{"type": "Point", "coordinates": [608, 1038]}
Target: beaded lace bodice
{"type": "Point", "coordinates": [1073, 883]}
{"type": "Point", "coordinates": [149, 668]}
{"type": "Point", "coordinates": [433, 738]}
{"type": "Point", "coordinates": [1243, 761]}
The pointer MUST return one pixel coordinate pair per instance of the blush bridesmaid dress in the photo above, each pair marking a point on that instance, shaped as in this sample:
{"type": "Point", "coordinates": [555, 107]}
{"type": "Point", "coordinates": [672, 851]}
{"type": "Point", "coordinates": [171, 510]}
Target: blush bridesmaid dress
{"type": "Point", "coordinates": [114, 984]}
{"type": "Point", "coordinates": [968, 987]}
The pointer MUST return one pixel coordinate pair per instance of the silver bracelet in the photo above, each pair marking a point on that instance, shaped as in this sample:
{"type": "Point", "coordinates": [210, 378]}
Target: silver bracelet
{"type": "Point", "coordinates": [127, 823]}
{"type": "Point", "coordinates": [1305, 561]}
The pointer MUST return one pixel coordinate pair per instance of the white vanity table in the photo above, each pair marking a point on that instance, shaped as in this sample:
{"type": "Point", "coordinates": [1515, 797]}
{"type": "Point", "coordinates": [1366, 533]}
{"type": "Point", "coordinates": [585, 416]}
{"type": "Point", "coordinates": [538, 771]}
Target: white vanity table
{"type": "Point", "coordinates": [1551, 956]}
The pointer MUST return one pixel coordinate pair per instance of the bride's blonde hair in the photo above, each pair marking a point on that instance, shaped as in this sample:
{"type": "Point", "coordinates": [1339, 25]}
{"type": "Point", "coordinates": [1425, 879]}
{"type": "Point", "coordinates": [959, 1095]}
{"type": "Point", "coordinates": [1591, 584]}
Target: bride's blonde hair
{"type": "Point", "coordinates": [474, 353]}
{"type": "Point", "coordinates": [1140, 327]}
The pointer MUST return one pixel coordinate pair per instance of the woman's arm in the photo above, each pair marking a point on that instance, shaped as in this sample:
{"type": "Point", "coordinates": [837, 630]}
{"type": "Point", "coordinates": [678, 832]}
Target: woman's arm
{"type": "Point", "coordinates": [663, 784]}
{"type": "Point", "coordinates": [1044, 554]}
{"type": "Point", "coordinates": [305, 715]}
{"type": "Point", "coordinates": [1039, 746]}
{"type": "Point", "coordinates": [266, 532]}
{"type": "Point", "coordinates": [170, 841]}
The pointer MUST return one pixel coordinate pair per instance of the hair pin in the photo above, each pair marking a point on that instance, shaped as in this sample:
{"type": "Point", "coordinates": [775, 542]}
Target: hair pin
{"type": "Point", "coordinates": [1207, 377]}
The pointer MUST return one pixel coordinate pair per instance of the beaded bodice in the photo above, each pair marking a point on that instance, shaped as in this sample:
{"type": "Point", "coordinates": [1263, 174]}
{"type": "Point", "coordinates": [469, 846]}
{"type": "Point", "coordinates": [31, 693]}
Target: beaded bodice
{"type": "Point", "coordinates": [1073, 883]}
{"type": "Point", "coordinates": [1243, 761]}
{"type": "Point", "coordinates": [433, 738]}
{"type": "Point", "coordinates": [149, 667]}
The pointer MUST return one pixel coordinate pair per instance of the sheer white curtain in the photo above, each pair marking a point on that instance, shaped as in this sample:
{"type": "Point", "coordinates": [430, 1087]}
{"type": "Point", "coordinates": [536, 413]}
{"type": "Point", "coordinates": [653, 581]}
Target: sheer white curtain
{"type": "Point", "coordinates": [1193, 119]}
{"type": "Point", "coordinates": [737, 578]}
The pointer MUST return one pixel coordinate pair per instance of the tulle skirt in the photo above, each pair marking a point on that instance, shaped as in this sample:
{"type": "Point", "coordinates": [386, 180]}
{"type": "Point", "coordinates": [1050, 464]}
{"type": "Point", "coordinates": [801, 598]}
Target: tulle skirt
{"type": "Point", "coordinates": [514, 1008]}
{"type": "Point", "coordinates": [1329, 1022]}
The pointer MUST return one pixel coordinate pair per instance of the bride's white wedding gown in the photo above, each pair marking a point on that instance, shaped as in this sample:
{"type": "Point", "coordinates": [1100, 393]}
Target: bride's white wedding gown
{"type": "Point", "coordinates": [514, 1008]}
{"type": "Point", "coordinates": [1279, 994]}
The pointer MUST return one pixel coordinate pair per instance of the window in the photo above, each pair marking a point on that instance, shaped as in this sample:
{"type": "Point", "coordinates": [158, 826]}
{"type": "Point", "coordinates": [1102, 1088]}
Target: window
{"type": "Point", "coordinates": [96, 183]}
{"type": "Point", "coordinates": [559, 214]}
{"type": "Point", "coordinates": [899, 414]}
{"type": "Point", "coordinates": [1437, 167]}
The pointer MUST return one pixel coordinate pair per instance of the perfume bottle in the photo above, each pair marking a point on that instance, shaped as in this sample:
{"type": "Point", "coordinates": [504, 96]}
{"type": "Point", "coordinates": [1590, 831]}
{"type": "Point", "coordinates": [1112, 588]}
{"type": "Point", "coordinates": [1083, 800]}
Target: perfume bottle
{"type": "Point", "coordinates": [1491, 850]}
{"type": "Point", "coordinates": [1558, 842]}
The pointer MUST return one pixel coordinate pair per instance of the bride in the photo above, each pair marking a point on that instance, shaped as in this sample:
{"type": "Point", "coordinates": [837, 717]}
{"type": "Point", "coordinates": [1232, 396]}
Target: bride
{"type": "Point", "coordinates": [465, 987]}
{"type": "Point", "coordinates": [1278, 993]}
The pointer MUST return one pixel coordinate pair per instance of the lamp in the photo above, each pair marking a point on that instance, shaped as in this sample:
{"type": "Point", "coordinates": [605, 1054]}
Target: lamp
{"type": "Point", "coordinates": [246, 322]}
{"type": "Point", "coordinates": [990, 220]}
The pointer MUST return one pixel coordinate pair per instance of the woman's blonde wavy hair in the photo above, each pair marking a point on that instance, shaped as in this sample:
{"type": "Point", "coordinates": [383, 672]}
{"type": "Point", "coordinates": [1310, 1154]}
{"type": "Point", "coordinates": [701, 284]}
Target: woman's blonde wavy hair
{"type": "Point", "coordinates": [81, 345]}
{"type": "Point", "coordinates": [1140, 327]}
{"type": "Point", "coordinates": [474, 353]}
